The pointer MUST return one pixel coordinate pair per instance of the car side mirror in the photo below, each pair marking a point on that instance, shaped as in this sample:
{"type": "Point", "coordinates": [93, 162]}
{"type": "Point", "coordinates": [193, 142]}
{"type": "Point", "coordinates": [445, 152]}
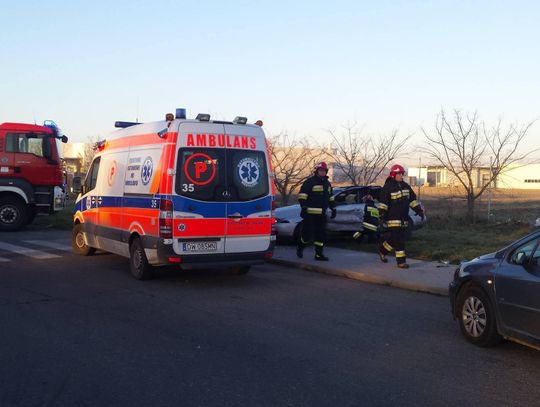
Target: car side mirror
{"type": "Point", "coordinates": [64, 139]}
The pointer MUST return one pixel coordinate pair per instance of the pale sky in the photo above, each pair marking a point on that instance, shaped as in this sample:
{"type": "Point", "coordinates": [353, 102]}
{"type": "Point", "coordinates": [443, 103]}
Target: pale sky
{"type": "Point", "coordinates": [301, 67]}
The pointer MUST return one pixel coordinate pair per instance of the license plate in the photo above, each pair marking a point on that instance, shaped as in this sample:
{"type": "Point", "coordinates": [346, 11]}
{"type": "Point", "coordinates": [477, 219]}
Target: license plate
{"type": "Point", "coordinates": [199, 246]}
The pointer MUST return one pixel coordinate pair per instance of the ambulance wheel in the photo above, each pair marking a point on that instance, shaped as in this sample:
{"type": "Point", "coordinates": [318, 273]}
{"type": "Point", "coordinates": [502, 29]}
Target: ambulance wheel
{"type": "Point", "coordinates": [138, 263]}
{"type": "Point", "coordinates": [78, 243]}
{"type": "Point", "coordinates": [239, 271]}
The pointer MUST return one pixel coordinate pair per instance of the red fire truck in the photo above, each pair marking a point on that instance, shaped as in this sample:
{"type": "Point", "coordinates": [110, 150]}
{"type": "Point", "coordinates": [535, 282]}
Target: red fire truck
{"type": "Point", "coordinates": [31, 176]}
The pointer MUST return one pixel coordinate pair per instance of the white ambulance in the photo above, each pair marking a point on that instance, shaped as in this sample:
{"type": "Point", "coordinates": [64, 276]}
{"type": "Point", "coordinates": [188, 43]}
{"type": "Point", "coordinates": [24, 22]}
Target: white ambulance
{"type": "Point", "coordinates": [195, 193]}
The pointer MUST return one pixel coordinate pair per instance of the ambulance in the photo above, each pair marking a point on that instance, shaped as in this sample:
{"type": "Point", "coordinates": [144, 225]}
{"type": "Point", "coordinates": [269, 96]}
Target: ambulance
{"type": "Point", "coordinates": [196, 193]}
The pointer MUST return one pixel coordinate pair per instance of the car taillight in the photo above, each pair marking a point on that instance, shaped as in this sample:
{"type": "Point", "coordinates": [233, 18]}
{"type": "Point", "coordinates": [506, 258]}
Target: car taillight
{"type": "Point", "coordinates": [165, 219]}
{"type": "Point", "coordinates": [273, 212]}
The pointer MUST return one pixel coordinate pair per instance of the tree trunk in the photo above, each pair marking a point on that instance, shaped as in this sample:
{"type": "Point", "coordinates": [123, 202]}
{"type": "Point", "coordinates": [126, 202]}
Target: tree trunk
{"type": "Point", "coordinates": [470, 207]}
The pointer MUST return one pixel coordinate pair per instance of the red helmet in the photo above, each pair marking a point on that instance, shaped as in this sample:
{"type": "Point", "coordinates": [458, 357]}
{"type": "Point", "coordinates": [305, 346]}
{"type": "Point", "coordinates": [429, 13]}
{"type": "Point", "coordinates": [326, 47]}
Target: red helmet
{"type": "Point", "coordinates": [396, 169]}
{"type": "Point", "coordinates": [321, 166]}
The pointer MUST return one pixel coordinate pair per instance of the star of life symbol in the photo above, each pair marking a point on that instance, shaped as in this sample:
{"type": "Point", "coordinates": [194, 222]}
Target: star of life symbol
{"type": "Point", "coordinates": [146, 171]}
{"type": "Point", "coordinates": [249, 172]}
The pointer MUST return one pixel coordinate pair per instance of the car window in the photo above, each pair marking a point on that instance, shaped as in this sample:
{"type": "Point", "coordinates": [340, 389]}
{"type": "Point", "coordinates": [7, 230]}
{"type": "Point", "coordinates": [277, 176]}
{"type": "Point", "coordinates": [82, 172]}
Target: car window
{"type": "Point", "coordinates": [91, 177]}
{"type": "Point", "coordinates": [347, 198]}
{"type": "Point", "coordinates": [523, 253]}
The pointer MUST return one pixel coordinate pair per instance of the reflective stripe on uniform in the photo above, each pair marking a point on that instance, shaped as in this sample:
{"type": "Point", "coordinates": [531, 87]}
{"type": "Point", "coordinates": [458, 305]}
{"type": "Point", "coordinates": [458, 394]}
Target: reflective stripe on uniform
{"type": "Point", "coordinates": [318, 188]}
{"type": "Point", "coordinates": [315, 211]}
{"type": "Point", "coordinates": [393, 223]}
{"type": "Point", "coordinates": [332, 199]}
{"type": "Point", "coordinates": [302, 196]}
{"type": "Point", "coordinates": [400, 253]}
{"type": "Point", "coordinates": [303, 241]}
{"type": "Point", "coordinates": [320, 244]}
{"type": "Point", "coordinates": [387, 246]}
{"type": "Point", "coordinates": [369, 226]}
{"type": "Point", "coordinates": [414, 204]}
{"type": "Point", "coordinates": [357, 235]}
{"type": "Point", "coordinates": [373, 211]}
{"type": "Point", "coordinates": [396, 195]}
{"type": "Point", "coordinates": [383, 206]}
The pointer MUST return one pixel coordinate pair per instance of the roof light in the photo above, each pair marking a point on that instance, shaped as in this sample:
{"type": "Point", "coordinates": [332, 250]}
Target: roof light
{"type": "Point", "coordinates": [259, 123]}
{"type": "Point", "coordinates": [203, 117]}
{"type": "Point", "coordinates": [123, 125]}
{"type": "Point", "coordinates": [180, 113]}
{"type": "Point", "coordinates": [50, 123]}
{"type": "Point", "coordinates": [240, 120]}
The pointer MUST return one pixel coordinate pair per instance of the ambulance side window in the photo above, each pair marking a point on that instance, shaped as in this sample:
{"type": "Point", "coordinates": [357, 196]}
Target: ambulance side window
{"type": "Point", "coordinates": [91, 177]}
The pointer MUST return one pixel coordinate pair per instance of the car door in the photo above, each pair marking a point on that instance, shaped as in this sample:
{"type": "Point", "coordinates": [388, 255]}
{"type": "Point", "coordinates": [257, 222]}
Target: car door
{"type": "Point", "coordinates": [349, 211]}
{"type": "Point", "coordinates": [249, 198]}
{"type": "Point", "coordinates": [89, 203]}
{"type": "Point", "coordinates": [200, 190]}
{"type": "Point", "coordinates": [517, 289]}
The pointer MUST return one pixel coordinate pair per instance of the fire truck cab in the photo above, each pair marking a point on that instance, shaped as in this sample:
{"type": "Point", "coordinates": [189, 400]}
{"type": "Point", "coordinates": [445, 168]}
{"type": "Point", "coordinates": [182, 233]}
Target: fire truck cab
{"type": "Point", "coordinates": [193, 193]}
{"type": "Point", "coordinates": [31, 177]}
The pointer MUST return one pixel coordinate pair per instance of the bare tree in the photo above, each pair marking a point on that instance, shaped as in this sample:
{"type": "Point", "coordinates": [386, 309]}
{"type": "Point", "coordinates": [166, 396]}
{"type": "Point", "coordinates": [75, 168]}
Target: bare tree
{"type": "Point", "coordinates": [293, 160]}
{"type": "Point", "coordinates": [462, 144]}
{"type": "Point", "coordinates": [362, 158]}
{"type": "Point", "coordinates": [87, 155]}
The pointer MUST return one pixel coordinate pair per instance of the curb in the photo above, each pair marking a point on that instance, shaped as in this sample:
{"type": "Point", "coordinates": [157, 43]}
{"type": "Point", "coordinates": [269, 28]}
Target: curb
{"type": "Point", "coordinates": [366, 278]}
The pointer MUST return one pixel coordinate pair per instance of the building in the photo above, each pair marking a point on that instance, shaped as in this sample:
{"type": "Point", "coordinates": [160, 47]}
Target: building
{"type": "Point", "coordinates": [516, 177]}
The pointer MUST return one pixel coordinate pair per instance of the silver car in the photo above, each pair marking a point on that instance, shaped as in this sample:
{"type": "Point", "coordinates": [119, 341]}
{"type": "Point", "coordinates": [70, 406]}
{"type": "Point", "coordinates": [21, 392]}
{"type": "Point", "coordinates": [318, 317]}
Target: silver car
{"type": "Point", "coordinates": [350, 213]}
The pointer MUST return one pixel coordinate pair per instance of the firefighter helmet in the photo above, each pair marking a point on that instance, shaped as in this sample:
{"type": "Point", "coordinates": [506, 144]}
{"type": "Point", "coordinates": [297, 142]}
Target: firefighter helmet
{"type": "Point", "coordinates": [321, 166]}
{"type": "Point", "coordinates": [396, 169]}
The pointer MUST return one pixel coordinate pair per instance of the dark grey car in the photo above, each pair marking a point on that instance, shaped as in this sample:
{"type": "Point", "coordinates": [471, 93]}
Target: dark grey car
{"type": "Point", "coordinates": [497, 295]}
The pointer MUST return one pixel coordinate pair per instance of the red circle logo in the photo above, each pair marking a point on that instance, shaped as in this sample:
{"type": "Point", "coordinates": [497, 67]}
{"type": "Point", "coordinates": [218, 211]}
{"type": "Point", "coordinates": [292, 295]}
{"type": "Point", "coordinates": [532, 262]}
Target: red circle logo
{"type": "Point", "coordinates": [201, 172]}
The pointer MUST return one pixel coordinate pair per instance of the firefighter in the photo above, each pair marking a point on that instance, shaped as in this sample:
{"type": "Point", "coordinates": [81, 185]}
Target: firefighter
{"type": "Point", "coordinates": [315, 198]}
{"type": "Point", "coordinates": [370, 222]}
{"type": "Point", "coordinates": [396, 198]}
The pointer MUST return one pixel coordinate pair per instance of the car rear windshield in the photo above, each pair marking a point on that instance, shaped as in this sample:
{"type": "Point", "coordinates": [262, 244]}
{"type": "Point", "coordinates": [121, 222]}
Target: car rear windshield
{"type": "Point", "coordinates": [221, 174]}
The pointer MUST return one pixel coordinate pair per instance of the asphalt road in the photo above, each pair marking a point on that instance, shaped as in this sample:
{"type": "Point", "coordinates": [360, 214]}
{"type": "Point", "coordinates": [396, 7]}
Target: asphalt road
{"type": "Point", "coordinates": [81, 332]}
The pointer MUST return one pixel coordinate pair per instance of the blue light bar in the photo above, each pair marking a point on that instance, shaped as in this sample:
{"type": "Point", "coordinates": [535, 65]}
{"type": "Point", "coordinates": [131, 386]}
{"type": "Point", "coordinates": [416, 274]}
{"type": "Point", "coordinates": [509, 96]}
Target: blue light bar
{"type": "Point", "coordinates": [180, 113]}
{"type": "Point", "coordinates": [240, 120]}
{"type": "Point", "coordinates": [50, 123]}
{"type": "Point", "coordinates": [123, 125]}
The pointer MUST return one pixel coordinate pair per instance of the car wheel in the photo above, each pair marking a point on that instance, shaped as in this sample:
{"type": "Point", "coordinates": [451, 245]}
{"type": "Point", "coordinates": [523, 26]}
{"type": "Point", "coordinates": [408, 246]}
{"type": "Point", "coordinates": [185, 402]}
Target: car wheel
{"type": "Point", "coordinates": [477, 317]}
{"type": "Point", "coordinates": [297, 234]}
{"type": "Point", "coordinates": [13, 213]}
{"type": "Point", "coordinates": [78, 243]}
{"type": "Point", "coordinates": [139, 266]}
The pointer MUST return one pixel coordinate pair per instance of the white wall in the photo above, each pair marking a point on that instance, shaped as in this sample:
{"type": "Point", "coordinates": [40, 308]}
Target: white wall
{"type": "Point", "coordinates": [516, 177]}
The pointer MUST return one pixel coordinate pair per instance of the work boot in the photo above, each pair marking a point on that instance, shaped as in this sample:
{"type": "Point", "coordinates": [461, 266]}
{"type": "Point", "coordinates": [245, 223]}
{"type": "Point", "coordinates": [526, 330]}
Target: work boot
{"type": "Point", "coordinates": [299, 251]}
{"type": "Point", "coordinates": [403, 265]}
{"type": "Point", "coordinates": [321, 257]}
{"type": "Point", "coordinates": [382, 256]}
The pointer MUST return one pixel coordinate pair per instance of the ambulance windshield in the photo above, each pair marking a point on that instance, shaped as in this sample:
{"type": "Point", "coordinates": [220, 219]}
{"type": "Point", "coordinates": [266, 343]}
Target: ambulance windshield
{"type": "Point", "coordinates": [221, 174]}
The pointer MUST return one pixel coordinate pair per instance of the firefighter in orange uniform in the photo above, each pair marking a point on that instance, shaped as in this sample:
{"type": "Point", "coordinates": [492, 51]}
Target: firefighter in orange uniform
{"type": "Point", "coordinates": [396, 198]}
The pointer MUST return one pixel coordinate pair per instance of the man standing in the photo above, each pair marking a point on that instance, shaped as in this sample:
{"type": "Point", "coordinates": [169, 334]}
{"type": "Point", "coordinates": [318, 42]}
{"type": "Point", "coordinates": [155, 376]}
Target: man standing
{"type": "Point", "coordinates": [396, 198]}
{"type": "Point", "coordinates": [315, 198]}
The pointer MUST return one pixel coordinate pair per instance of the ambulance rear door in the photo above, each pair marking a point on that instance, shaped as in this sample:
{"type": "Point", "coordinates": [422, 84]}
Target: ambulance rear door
{"type": "Point", "coordinates": [200, 190]}
{"type": "Point", "coordinates": [249, 206]}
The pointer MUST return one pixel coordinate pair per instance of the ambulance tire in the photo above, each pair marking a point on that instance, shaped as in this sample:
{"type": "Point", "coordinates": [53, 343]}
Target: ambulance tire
{"type": "Point", "coordinates": [78, 244]}
{"type": "Point", "coordinates": [240, 271]}
{"type": "Point", "coordinates": [138, 263]}
{"type": "Point", "coordinates": [13, 213]}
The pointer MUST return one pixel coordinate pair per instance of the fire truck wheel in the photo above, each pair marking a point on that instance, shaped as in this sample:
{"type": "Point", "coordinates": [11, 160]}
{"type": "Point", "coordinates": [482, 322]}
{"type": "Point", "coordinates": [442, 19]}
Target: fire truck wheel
{"type": "Point", "coordinates": [139, 266]}
{"type": "Point", "coordinates": [78, 243]}
{"type": "Point", "coordinates": [13, 213]}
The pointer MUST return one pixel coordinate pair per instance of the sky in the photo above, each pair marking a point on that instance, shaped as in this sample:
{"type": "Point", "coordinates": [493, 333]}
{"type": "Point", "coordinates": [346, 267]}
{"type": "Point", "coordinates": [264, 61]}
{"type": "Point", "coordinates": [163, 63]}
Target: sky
{"type": "Point", "coordinates": [303, 67]}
